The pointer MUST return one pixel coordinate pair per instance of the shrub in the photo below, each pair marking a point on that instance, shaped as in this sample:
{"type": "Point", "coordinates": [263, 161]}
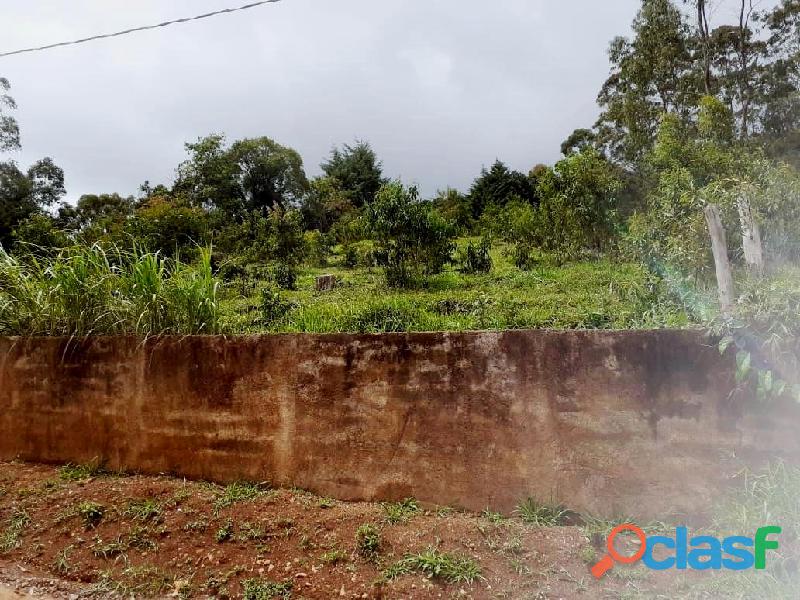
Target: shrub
{"type": "Point", "coordinates": [273, 306]}
{"type": "Point", "coordinates": [476, 258]}
{"type": "Point", "coordinates": [91, 513]}
{"type": "Point", "coordinates": [284, 275]}
{"type": "Point", "coordinates": [368, 541]}
{"type": "Point", "coordinates": [318, 247]}
{"type": "Point", "coordinates": [412, 239]}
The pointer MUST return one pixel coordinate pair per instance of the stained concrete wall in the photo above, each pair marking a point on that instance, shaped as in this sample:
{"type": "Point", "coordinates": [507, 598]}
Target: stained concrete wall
{"type": "Point", "coordinates": [637, 423]}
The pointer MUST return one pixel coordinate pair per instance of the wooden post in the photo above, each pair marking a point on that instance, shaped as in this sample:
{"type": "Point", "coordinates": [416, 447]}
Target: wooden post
{"type": "Point", "coordinates": [751, 236]}
{"type": "Point", "coordinates": [719, 246]}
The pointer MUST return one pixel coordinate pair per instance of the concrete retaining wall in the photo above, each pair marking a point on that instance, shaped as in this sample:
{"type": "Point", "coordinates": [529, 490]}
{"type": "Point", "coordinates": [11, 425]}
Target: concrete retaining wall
{"type": "Point", "coordinates": [637, 423]}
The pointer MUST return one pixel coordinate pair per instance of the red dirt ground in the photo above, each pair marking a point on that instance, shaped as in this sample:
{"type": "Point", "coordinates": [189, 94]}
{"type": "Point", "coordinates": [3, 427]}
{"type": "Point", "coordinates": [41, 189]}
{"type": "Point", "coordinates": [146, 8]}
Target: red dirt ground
{"type": "Point", "coordinates": [169, 547]}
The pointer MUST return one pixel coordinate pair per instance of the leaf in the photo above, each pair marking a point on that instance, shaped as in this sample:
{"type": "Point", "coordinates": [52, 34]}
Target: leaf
{"type": "Point", "coordinates": [742, 365]}
{"type": "Point", "coordinates": [724, 343]}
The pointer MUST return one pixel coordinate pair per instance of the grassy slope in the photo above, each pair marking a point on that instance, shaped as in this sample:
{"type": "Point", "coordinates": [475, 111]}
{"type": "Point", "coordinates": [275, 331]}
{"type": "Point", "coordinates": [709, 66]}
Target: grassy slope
{"type": "Point", "coordinates": [598, 294]}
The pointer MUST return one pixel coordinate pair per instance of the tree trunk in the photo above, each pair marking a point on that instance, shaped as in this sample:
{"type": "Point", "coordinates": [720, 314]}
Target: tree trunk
{"type": "Point", "coordinates": [719, 246]}
{"type": "Point", "coordinates": [751, 236]}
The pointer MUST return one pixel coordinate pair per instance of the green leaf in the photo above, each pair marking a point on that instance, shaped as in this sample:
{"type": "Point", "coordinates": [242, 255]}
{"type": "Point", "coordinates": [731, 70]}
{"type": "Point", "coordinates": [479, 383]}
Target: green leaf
{"type": "Point", "coordinates": [724, 343]}
{"type": "Point", "coordinates": [742, 365]}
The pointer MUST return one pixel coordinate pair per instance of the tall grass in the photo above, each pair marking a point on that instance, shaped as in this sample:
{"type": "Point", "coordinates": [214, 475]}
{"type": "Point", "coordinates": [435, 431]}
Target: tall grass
{"type": "Point", "coordinates": [89, 290]}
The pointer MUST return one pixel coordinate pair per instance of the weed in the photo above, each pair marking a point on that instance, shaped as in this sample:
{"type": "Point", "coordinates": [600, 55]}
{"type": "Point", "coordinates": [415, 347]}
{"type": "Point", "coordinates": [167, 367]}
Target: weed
{"type": "Point", "coordinates": [81, 472]}
{"type": "Point", "coordinates": [196, 526]}
{"type": "Point", "coordinates": [240, 491]}
{"type": "Point", "coordinates": [400, 512]}
{"type": "Point", "coordinates": [146, 580]}
{"type": "Point", "coordinates": [260, 589]}
{"type": "Point", "coordinates": [535, 513]}
{"type": "Point", "coordinates": [588, 554]}
{"type": "Point", "coordinates": [334, 556]}
{"type": "Point", "coordinates": [493, 517]}
{"type": "Point", "coordinates": [249, 531]}
{"type": "Point", "coordinates": [110, 549]}
{"type": "Point", "coordinates": [451, 568]}
{"type": "Point", "coordinates": [326, 503]}
{"type": "Point", "coordinates": [91, 513]}
{"type": "Point", "coordinates": [17, 523]}
{"type": "Point", "coordinates": [139, 538]}
{"type": "Point", "coordinates": [61, 564]}
{"type": "Point", "coordinates": [225, 532]}
{"type": "Point", "coordinates": [147, 509]}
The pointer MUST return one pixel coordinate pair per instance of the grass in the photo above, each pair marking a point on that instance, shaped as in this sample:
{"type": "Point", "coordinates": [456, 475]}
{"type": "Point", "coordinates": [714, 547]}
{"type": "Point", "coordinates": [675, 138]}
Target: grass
{"type": "Point", "coordinates": [432, 563]}
{"type": "Point", "coordinates": [400, 512]}
{"type": "Point", "coordinates": [13, 532]}
{"type": "Point", "coordinates": [81, 472]}
{"type": "Point", "coordinates": [260, 589]}
{"type": "Point", "coordinates": [533, 512]}
{"type": "Point", "coordinates": [240, 491]}
{"type": "Point", "coordinates": [147, 509]}
{"type": "Point", "coordinates": [89, 290]}
{"type": "Point", "coordinates": [583, 295]}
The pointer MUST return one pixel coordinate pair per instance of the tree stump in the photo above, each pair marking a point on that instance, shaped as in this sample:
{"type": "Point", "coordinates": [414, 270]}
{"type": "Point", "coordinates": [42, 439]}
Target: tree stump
{"type": "Point", "coordinates": [325, 283]}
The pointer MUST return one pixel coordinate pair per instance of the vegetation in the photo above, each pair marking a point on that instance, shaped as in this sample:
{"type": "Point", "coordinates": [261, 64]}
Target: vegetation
{"type": "Point", "coordinates": [432, 563]}
{"type": "Point", "coordinates": [697, 143]}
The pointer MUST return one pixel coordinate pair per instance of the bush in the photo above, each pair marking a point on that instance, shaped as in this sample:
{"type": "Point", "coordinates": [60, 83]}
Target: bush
{"type": "Point", "coordinates": [368, 541]}
{"type": "Point", "coordinates": [273, 306]}
{"type": "Point", "coordinates": [412, 239]}
{"type": "Point", "coordinates": [285, 276]}
{"type": "Point", "coordinates": [476, 258]}
{"type": "Point", "coordinates": [318, 248]}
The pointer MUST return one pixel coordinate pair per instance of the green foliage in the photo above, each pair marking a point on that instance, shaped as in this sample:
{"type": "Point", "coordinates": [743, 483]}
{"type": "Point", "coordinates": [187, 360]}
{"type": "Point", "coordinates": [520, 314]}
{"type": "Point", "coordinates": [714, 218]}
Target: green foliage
{"type": "Point", "coordinates": [498, 186]}
{"type": "Point", "coordinates": [476, 258]}
{"type": "Point", "coordinates": [412, 240]}
{"type": "Point", "coordinates": [318, 248]}
{"type": "Point", "coordinates": [535, 513]}
{"type": "Point", "coordinates": [357, 170]}
{"type": "Point", "coordinates": [17, 523]}
{"type": "Point", "coordinates": [260, 589]}
{"type": "Point", "coordinates": [432, 563]}
{"type": "Point", "coordinates": [252, 175]}
{"type": "Point", "coordinates": [165, 226]}
{"type": "Point", "coordinates": [368, 541]}
{"type": "Point", "coordinates": [147, 509]}
{"type": "Point", "coordinates": [273, 306]}
{"type": "Point", "coordinates": [9, 129]}
{"type": "Point", "coordinates": [87, 290]}
{"type": "Point", "coordinates": [240, 491]}
{"type": "Point", "coordinates": [91, 513]}
{"type": "Point", "coordinates": [81, 472]}
{"type": "Point", "coordinates": [225, 532]}
{"type": "Point", "coordinates": [400, 512]}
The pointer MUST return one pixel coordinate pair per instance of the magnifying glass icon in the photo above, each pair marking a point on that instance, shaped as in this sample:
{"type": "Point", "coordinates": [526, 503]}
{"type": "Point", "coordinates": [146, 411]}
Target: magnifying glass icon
{"type": "Point", "coordinates": [613, 556]}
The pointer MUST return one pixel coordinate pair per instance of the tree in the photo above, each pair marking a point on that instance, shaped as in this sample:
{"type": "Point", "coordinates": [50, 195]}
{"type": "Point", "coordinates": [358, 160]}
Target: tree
{"type": "Point", "coordinates": [251, 175]}
{"type": "Point", "coordinates": [325, 204]}
{"type": "Point", "coordinates": [24, 194]}
{"type": "Point", "coordinates": [455, 207]}
{"type": "Point", "coordinates": [578, 201]}
{"type": "Point", "coordinates": [652, 73]}
{"type": "Point", "coordinates": [577, 141]}
{"type": "Point", "coordinates": [412, 239]}
{"type": "Point", "coordinates": [9, 129]}
{"type": "Point", "coordinates": [498, 186]}
{"type": "Point", "coordinates": [358, 171]}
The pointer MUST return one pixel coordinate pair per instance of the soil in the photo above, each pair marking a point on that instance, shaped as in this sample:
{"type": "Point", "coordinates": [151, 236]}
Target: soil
{"type": "Point", "coordinates": [136, 536]}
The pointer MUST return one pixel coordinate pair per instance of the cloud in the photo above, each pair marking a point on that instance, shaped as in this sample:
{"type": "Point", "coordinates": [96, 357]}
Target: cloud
{"type": "Point", "coordinates": [440, 87]}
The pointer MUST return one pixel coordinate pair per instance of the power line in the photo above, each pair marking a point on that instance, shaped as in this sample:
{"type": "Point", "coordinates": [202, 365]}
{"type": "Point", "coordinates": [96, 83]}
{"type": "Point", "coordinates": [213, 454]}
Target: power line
{"type": "Point", "coordinates": [135, 29]}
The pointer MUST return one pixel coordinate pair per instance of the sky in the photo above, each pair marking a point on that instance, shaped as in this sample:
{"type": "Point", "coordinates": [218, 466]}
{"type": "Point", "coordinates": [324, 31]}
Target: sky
{"type": "Point", "coordinates": [440, 88]}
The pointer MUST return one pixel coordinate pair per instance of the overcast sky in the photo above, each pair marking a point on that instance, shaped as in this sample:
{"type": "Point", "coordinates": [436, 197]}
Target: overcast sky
{"type": "Point", "coordinates": [439, 87]}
